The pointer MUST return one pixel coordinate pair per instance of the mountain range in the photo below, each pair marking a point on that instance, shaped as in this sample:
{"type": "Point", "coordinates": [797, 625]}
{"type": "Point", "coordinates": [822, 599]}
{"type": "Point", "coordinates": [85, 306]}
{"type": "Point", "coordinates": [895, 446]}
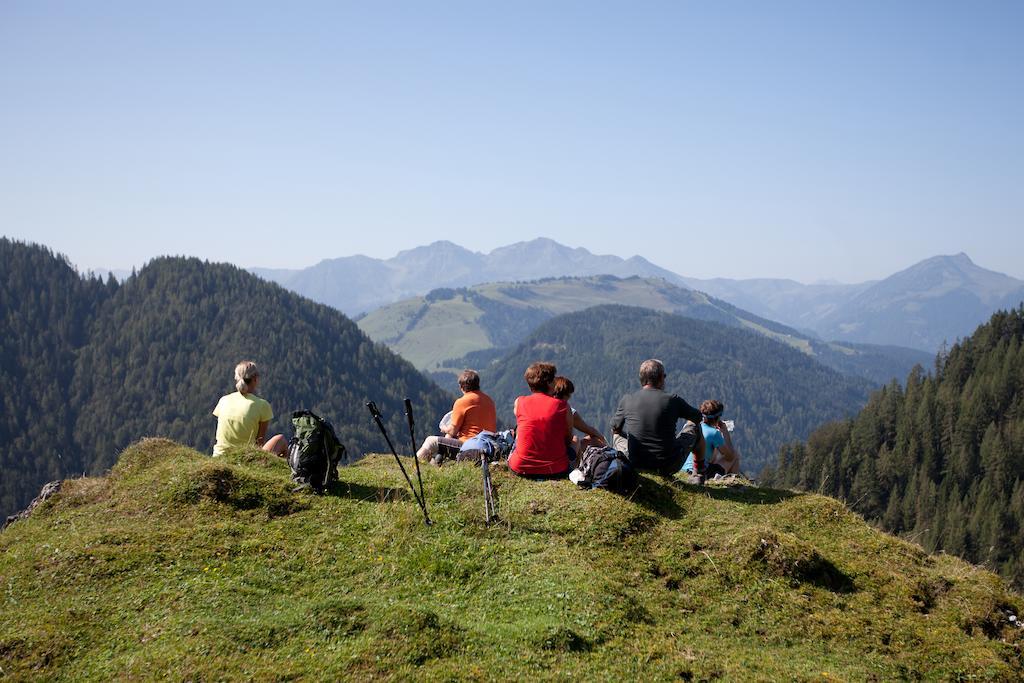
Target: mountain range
{"type": "Point", "coordinates": [937, 300]}
{"type": "Point", "coordinates": [940, 299]}
{"type": "Point", "coordinates": [358, 284]}
{"type": "Point", "coordinates": [449, 329]}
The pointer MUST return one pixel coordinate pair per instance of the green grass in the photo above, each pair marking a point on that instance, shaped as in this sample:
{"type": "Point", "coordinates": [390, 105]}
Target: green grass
{"type": "Point", "coordinates": [797, 343]}
{"type": "Point", "coordinates": [179, 566]}
{"type": "Point", "coordinates": [426, 334]}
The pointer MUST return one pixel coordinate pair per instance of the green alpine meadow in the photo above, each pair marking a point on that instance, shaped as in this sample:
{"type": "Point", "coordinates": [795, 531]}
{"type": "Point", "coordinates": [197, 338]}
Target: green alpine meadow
{"type": "Point", "coordinates": [177, 566]}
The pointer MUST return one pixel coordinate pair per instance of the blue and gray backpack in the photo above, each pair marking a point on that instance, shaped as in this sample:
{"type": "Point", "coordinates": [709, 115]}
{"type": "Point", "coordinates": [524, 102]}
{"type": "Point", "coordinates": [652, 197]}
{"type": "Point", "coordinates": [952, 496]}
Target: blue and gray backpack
{"type": "Point", "coordinates": [603, 467]}
{"type": "Point", "coordinates": [496, 446]}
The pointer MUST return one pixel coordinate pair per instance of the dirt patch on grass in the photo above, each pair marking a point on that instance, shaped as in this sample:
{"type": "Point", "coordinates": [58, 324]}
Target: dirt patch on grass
{"type": "Point", "coordinates": [35, 653]}
{"type": "Point", "coordinates": [927, 592]}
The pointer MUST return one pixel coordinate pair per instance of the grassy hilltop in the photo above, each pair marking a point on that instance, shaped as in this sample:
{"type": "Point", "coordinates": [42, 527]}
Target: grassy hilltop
{"type": "Point", "coordinates": [179, 566]}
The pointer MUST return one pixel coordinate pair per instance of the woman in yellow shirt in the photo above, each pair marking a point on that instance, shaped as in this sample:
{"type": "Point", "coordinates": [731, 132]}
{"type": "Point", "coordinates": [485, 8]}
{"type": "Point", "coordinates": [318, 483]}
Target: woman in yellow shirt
{"type": "Point", "coordinates": [243, 417]}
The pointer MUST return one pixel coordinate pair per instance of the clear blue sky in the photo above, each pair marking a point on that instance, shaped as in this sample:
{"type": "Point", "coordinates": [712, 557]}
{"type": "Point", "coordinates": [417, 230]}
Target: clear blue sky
{"type": "Point", "coordinates": [802, 139]}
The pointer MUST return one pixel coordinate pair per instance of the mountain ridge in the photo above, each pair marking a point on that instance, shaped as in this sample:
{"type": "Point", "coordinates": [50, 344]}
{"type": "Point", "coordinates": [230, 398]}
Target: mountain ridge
{"type": "Point", "coordinates": [416, 271]}
{"type": "Point", "coordinates": [940, 299]}
{"type": "Point", "coordinates": [450, 328]}
{"type": "Point", "coordinates": [937, 299]}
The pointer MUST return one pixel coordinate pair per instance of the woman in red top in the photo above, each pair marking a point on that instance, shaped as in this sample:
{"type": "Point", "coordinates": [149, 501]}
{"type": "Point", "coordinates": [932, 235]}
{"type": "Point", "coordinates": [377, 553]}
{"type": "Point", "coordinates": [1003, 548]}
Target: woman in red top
{"type": "Point", "coordinates": [543, 428]}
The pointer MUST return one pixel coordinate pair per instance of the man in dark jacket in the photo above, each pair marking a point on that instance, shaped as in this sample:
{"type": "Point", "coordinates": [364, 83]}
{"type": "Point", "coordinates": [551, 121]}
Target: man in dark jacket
{"type": "Point", "coordinates": [644, 426]}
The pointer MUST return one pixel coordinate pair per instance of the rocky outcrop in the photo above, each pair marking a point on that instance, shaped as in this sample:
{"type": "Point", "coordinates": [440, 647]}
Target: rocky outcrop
{"type": "Point", "coordinates": [48, 490]}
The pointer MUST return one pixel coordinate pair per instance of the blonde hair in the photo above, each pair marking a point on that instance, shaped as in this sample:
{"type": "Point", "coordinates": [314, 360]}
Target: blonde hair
{"type": "Point", "coordinates": [245, 373]}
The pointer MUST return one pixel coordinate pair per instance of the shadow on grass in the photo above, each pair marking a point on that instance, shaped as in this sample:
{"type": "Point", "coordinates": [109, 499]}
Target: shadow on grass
{"type": "Point", "coordinates": [656, 496]}
{"type": "Point", "coordinates": [830, 577]}
{"type": "Point", "coordinates": [788, 557]}
{"type": "Point", "coordinates": [748, 495]}
{"type": "Point", "coordinates": [362, 492]}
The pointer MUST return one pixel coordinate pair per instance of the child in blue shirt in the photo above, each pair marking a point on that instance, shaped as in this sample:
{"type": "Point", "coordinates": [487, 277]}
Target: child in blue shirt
{"type": "Point", "coordinates": [716, 438]}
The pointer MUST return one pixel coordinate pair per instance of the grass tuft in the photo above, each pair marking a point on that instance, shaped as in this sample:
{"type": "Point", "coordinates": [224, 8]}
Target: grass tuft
{"type": "Point", "coordinates": [786, 556]}
{"type": "Point", "coordinates": [415, 635]}
{"type": "Point", "coordinates": [220, 482]}
{"type": "Point", "coordinates": [561, 639]}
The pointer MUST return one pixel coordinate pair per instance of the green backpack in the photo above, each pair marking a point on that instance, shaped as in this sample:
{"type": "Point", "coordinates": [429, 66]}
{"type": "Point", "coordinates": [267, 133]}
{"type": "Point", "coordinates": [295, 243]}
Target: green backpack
{"type": "Point", "coordinates": [314, 451]}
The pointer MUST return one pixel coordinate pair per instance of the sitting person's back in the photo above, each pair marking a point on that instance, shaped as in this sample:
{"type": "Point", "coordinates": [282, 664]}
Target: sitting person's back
{"type": "Point", "coordinates": [243, 417]}
{"type": "Point", "coordinates": [472, 413]}
{"type": "Point", "coordinates": [543, 428]}
{"type": "Point", "coordinates": [563, 388]}
{"type": "Point", "coordinates": [644, 425]}
{"type": "Point", "coordinates": [238, 419]}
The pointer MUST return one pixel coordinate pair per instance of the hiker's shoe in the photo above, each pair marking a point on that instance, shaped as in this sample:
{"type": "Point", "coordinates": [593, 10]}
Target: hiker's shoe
{"type": "Point", "coordinates": [696, 479]}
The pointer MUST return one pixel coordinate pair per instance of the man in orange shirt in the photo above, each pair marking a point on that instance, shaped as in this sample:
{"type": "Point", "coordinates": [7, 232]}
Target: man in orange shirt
{"type": "Point", "coordinates": [471, 414]}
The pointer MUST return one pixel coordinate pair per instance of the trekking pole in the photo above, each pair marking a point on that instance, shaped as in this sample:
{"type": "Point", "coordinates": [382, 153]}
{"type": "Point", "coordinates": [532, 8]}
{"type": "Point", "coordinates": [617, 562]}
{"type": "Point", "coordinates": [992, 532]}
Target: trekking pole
{"type": "Point", "coordinates": [412, 438]}
{"type": "Point", "coordinates": [372, 407]}
{"type": "Point", "coordinates": [489, 508]}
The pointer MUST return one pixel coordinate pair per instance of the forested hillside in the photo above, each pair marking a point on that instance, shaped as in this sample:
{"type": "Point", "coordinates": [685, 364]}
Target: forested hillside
{"type": "Point", "coordinates": [941, 460]}
{"type": "Point", "coordinates": [88, 367]}
{"type": "Point", "coordinates": [774, 392]}
{"type": "Point", "coordinates": [46, 310]}
{"type": "Point", "coordinates": [448, 329]}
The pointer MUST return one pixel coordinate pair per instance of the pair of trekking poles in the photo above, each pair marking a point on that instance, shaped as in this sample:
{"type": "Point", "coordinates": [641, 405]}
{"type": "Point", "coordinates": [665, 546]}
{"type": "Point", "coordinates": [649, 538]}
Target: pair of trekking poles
{"type": "Point", "coordinates": [420, 497]}
{"type": "Point", "coordinates": [490, 510]}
